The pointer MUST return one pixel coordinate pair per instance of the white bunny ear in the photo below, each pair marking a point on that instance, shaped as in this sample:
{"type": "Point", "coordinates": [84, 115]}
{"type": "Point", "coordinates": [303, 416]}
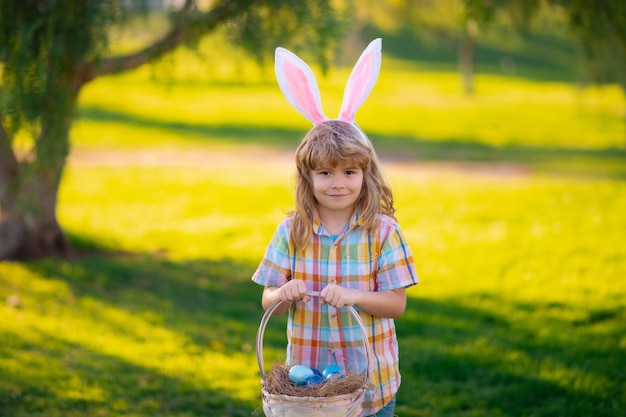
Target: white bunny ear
{"type": "Point", "coordinates": [297, 82]}
{"type": "Point", "coordinates": [361, 81]}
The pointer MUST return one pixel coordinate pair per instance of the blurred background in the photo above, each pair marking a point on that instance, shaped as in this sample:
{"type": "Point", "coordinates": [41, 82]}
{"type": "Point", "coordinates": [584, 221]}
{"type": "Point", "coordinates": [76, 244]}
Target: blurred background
{"type": "Point", "coordinates": [146, 157]}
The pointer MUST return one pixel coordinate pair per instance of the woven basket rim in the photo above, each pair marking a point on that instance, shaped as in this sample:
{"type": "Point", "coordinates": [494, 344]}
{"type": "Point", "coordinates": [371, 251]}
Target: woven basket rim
{"type": "Point", "coordinates": [291, 398]}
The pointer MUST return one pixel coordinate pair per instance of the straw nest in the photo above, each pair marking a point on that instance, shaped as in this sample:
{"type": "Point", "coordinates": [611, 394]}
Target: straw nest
{"type": "Point", "coordinates": [277, 382]}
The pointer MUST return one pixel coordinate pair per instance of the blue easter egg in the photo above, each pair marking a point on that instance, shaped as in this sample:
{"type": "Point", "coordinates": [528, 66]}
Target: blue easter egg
{"type": "Point", "coordinates": [331, 370]}
{"type": "Point", "coordinates": [317, 372]}
{"type": "Point", "coordinates": [298, 374]}
{"type": "Point", "coordinates": [333, 377]}
{"type": "Point", "coordinates": [314, 380]}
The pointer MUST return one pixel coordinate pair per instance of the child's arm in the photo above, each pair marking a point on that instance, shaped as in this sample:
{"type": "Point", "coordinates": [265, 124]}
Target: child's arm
{"type": "Point", "coordinates": [390, 303]}
{"type": "Point", "coordinates": [292, 290]}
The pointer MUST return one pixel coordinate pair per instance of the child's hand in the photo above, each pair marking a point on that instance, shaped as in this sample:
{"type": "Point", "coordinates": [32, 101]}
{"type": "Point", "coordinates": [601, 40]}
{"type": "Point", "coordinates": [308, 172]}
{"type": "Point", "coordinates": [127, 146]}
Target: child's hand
{"type": "Point", "coordinates": [338, 296]}
{"type": "Point", "coordinates": [294, 290]}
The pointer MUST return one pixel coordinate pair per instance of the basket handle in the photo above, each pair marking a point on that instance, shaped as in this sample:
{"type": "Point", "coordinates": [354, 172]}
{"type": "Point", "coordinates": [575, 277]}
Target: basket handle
{"type": "Point", "coordinates": [268, 314]}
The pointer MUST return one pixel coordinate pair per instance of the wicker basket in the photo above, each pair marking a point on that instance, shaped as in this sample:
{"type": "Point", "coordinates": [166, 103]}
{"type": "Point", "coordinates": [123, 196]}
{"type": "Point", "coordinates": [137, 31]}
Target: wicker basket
{"type": "Point", "coordinates": [345, 405]}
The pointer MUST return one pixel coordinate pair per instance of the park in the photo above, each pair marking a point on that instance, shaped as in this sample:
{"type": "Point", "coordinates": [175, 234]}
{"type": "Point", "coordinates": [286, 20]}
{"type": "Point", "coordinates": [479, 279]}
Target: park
{"type": "Point", "coordinates": [178, 172]}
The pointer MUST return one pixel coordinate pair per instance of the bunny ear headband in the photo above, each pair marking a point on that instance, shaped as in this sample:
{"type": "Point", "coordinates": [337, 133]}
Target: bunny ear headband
{"type": "Point", "coordinates": [297, 82]}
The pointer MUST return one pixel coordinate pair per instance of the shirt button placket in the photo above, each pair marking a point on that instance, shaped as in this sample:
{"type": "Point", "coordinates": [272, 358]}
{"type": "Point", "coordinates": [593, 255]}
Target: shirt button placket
{"type": "Point", "coordinates": [335, 338]}
{"type": "Point", "coordinates": [332, 264]}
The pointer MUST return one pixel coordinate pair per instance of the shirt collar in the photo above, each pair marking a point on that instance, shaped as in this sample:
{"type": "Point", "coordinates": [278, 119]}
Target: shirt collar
{"type": "Point", "coordinates": [319, 229]}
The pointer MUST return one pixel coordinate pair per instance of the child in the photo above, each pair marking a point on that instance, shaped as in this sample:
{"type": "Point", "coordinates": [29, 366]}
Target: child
{"type": "Point", "coordinates": [341, 241]}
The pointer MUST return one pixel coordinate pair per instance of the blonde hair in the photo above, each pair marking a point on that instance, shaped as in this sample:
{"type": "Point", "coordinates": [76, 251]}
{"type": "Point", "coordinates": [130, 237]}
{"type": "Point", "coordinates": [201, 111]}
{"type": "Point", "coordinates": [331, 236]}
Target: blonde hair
{"type": "Point", "coordinates": [326, 145]}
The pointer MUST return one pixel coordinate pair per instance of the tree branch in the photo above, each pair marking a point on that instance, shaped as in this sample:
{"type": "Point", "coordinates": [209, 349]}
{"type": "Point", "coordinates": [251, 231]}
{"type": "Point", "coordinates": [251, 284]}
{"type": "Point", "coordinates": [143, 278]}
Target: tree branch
{"type": "Point", "coordinates": [181, 31]}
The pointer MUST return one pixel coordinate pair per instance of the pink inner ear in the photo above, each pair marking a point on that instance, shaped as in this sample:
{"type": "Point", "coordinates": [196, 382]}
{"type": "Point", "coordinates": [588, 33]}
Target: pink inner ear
{"type": "Point", "coordinates": [302, 92]}
{"type": "Point", "coordinates": [359, 82]}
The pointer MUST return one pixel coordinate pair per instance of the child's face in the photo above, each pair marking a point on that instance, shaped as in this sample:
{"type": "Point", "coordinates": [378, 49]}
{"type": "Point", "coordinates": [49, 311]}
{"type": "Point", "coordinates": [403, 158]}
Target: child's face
{"type": "Point", "coordinates": [337, 189]}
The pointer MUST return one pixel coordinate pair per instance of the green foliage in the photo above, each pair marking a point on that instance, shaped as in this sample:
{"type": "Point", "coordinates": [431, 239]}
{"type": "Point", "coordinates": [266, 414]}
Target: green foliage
{"type": "Point", "coordinates": [506, 26]}
{"type": "Point", "coordinates": [522, 11]}
{"type": "Point", "coordinates": [43, 42]}
{"type": "Point", "coordinates": [601, 27]}
{"type": "Point", "coordinates": [280, 22]}
{"type": "Point", "coordinates": [430, 32]}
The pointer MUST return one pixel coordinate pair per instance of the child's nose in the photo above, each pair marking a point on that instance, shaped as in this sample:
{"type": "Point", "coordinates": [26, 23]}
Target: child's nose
{"type": "Point", "coordinates": [337, 182]}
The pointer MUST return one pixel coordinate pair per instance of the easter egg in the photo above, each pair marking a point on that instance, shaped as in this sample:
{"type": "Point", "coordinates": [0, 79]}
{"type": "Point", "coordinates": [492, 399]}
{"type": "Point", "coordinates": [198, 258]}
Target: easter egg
{"type": "Point", "coordinates": [317, 372]}
{"type": "Point", "coordinates": [298, 374]}
{"type": "Point", "coordinates": [333, 377]}
{"type": "Point", "coordinates": [314, 380]}
{"type": "Point", "coordinates": [331, 371]}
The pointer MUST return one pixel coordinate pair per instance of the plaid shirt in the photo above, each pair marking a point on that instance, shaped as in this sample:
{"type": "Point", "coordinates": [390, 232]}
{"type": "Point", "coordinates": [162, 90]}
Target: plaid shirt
{"type": "Point", "coordinates": [318, 334]}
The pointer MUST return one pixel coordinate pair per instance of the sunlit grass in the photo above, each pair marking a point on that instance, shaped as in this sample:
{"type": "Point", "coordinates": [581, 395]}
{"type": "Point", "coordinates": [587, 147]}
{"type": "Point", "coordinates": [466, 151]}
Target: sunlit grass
{"type": "Point", "coordinates": [155, 208]}
{"type": "Point", "coordinates": [410, 103]}
{"type": "Point", "coordinates": [86, 350]}
{"type": "Point", "coordinates": [506, 233]}
{"type": "Point", "coordinates": [521, 295]}
{"type": "Point", "coordinates": [230, 211]}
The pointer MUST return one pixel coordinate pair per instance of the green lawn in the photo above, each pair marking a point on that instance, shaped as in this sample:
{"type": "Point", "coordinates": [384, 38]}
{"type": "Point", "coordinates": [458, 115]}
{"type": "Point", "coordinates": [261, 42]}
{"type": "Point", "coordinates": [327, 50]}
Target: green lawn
{"type": "Point", "coordinates": [513, 201]}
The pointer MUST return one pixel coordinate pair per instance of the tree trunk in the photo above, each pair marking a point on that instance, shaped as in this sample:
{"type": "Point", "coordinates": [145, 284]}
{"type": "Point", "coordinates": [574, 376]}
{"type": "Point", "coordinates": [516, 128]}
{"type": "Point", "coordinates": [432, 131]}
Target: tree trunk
{"type": "Point", "coordinates": [29, 189]}
{"type": "Point", "coordinates": [466, 56]}
{"type": "Point", "coordinates": [28, 226]}
{"type": "Point", "coordinates": [466, 62]}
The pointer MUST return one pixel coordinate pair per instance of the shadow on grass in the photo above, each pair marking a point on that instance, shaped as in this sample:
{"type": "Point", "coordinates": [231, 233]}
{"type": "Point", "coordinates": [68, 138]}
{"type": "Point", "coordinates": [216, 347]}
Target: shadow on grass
{"type": "Point", "coordinates": [212, 305]}
{"type": "Point", "coordinates": [491, 357]}
{"type": "Point", "coordinates": [607, 163]}
{"type": "Point", "coordinates": [68, 379]}
{"type": "Point", "coordinates": [603, 163]}
{"type": "Point", "coordinates": [271, 137]}
{"type": "Point", "coordinates": [484, 356]}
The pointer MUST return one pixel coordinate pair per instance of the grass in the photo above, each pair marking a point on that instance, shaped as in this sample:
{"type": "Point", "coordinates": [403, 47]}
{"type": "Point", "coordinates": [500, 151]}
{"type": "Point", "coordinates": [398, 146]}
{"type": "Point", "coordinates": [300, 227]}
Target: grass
{"type": "Point", "coordinates": [512, 200]}
{"type": "Point", "coordinates": [407, 102]}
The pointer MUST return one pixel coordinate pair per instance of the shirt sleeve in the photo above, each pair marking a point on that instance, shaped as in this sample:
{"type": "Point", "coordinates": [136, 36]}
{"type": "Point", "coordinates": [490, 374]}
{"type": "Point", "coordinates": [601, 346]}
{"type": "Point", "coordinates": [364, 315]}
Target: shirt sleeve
{"type": "Point", "coordinates": [396, 267]}
{"type": "Point", "coordinates": [275, 267]}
